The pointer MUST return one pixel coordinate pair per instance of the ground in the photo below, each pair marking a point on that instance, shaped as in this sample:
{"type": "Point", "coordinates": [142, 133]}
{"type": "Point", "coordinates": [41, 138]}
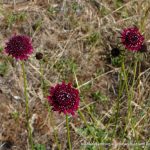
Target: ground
{"type": "Point", "coordinates": [76, 39]}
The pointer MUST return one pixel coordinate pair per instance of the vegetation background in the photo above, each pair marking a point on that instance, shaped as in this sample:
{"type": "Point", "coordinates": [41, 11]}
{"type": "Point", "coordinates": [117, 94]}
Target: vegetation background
{"type": "Point", "coordinates": [76, 38]}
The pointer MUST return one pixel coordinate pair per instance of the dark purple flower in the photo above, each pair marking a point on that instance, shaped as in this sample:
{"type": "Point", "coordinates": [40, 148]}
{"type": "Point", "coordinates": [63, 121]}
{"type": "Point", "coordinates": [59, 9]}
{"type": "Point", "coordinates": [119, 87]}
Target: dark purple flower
{"type": "Point", "coordinates": [64, 98]}
{"type": "Point", "coordinates": [19, 46]}
{"type": "Point", "coordinates": [39, 56]}
{"type": "Point", "coordinates": [115, 52]}
{"type": "Point", "coordinates": [132, 38]}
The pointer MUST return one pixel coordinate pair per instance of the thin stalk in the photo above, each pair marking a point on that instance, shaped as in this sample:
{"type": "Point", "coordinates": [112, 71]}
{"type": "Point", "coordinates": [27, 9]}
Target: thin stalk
{"type": "Point", "coordinates": [121, 88]}
{"type": "Point", "coordinates": [129, 93]}
{"type": "Point", "coordinates": [125, 74]}
{"type": "Point", "coordinates": [85, 122]}
{"type": "Point", "coordinates": [42, 80]}
{"type": "Point", "coordinates": [49, 110]}
{"type": "Point", "coordinates": [81, 114]}
{"type": "Point", "coordinates": [131, 96]}
{"type": "Point", "coordinates": [68, 132]}
{"type": "Point", "coordinates": [123, 85]}
{"type": "Point", "coordinates": [88, 109]}
{"type": "Point", "coordinates": [132, 91]}
{"type": "Point", "coordinates": [125, 77]}
{"type": "Point", "coordinates": [27, 106]}
{"type": "Point", "coordinates": [127, 90]}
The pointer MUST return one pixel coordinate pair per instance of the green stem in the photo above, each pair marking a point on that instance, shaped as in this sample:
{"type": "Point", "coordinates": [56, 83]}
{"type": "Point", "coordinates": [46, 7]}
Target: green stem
{"type": "Point", "coordinates": [81, 114]}
{"type": "Point", "coordinates": [125, 77]}
{"type": "Point", "coordinates": [131, 96]}
{"type": "Point", "coordinates": [88, 108]}
{"type": "Point", "coordinates": [121, 88]}
{"type": "Point", "coordinates": [85, 122]}
{"type": "Point", "coordinates": [49, 110]}
{"type": "Point", "coordinates": [42, 77]}
{"type": "Point", "coordinates": [41, 71]}
{"type": "Point", "coordinates": [68, 132]}
{"type": "Point", "coordinates": [130, 93]}
{"type": "Point", "coordinates": [25, 91]}
{"type": "Point", "coordinates": [27, 106]}
{"type": "Point", "coordinates": [127, 90]}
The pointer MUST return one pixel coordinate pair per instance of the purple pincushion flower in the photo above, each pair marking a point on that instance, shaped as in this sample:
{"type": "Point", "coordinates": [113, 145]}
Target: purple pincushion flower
{"type": "Point", "coordinates": [64, 98]}
{"type": "Point", "coordinates": [19, 47]}
{"type": "Point", "coordinates": [132, 38]}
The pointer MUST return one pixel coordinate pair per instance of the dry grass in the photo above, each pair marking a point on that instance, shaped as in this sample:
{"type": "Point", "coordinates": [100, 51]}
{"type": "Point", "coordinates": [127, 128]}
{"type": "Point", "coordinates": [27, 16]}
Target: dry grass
{"type": "Point", "coordinates": [80, 34]}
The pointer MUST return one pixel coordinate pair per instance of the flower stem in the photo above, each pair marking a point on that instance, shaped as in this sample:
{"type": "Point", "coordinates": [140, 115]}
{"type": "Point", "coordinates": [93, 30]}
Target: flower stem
{"type": "Point", "coordinates": [85, 122]}
{"type": "Point", "coordinates": [27, 106]}
{"type": "Point", "coordinates": [81, 114]}
{"type": "Point", "coordinates": [121, 88]}
{"type": "Point", "coordinates": [130, 94]}
{"type": "Point", "coordinates": [88, 109]}
{"type": "Point", "coordinates": [49, 110]}
{"type": "Point", "coordinates": [131, 97]}
{"type": "Point", "coordinates": [125, 77]}
{"type": "Point", "coordinates": [132, 87]}
{"type": "Point", "coordinates": [68, 132]}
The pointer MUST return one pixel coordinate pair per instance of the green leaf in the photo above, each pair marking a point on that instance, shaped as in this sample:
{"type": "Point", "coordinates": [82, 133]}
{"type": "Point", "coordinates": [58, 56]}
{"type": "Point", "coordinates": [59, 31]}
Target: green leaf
{"type": "Point", "coordinates": [39, 147]}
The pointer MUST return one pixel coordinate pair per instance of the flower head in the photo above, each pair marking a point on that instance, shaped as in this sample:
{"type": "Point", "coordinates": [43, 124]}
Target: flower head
{"type": "Point", "coordinates": [39, 56]}
{"type": "Point", "coordinates": [64, 98]}
{"type": "Point", "coordinates": [115, 52]}
{"type": "Point", "coordinates": [132, 38]}
{"type": "Point", "coordinates": [19, 46]}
